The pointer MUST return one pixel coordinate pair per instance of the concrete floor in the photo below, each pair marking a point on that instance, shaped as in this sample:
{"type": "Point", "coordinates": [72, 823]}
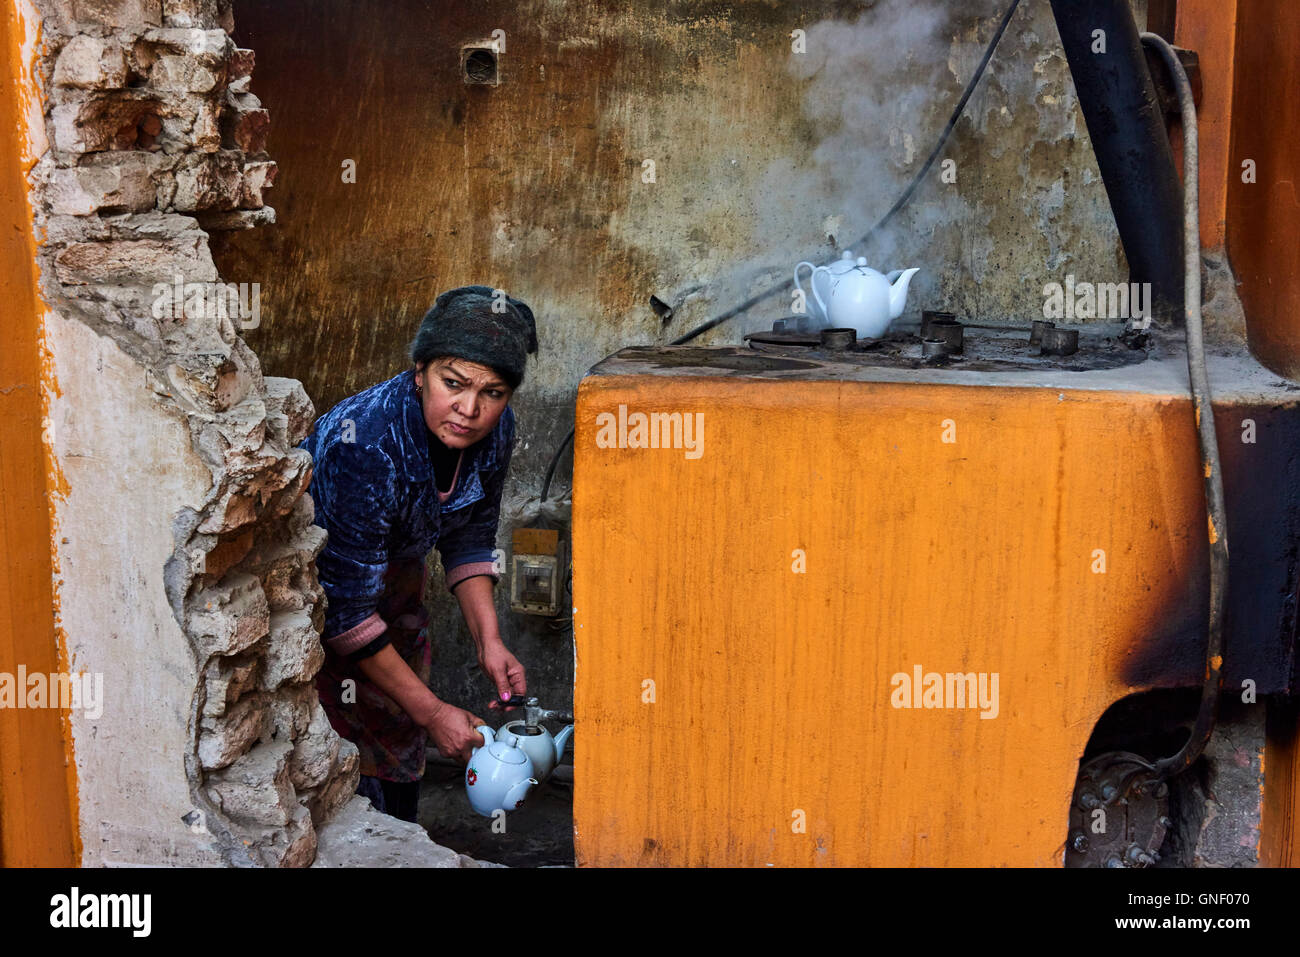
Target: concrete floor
{"type": "Point", "coordinates": [539, 834]}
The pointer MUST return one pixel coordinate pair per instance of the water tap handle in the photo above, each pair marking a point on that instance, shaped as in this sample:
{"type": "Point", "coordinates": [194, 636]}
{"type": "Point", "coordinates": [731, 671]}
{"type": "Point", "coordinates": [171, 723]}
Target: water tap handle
{"type": "Point", "coordinates": [534, 713]}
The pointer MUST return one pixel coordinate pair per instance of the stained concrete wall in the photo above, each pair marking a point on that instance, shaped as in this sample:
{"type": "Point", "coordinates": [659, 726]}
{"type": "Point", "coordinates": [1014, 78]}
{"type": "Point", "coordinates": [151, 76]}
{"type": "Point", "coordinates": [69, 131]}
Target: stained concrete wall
{"type": "Point", "coordinates": [763, 157]}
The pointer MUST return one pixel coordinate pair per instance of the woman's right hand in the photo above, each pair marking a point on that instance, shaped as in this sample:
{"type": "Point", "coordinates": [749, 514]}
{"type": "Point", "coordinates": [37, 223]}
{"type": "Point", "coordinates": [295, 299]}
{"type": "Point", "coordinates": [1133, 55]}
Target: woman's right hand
{"type": "Point", "coordinates": [452, 730]}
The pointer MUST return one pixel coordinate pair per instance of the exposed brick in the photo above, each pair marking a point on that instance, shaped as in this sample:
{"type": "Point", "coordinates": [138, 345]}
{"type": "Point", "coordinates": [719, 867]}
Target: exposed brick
{"type": "Point", "coordinates": [229, 617]}
{"type": "Point", "coordinates": [227, 679]}
{"type": "Point", "coordinates": [120, 120]}
{"type": "Point", "coordinates": [204, 14]}
{"type": "Point", "coordinates": [183, 74]}
{"type": "Point", "coordinates": [127, 15]}
{"type": "Point", "coordinates": [255, 789]}
{"type": "Point", "coordinates": [151, 117]}
{"type": "Point", "coordinates": [223, 739]}
{"type": "Point", "coordinates": [289, 397]}
{"type": "Point", "coordinates": [211, 46]}
{"type": "Point", "coordinates": [296, 845]}
{"type": "Point", "coordinates": [340, 788]}
{"type": "Point", "coordinates": [299, 475]}
{"type": "Point", "coordinates": [280, 581]}
{"type": "Point", "coordinates": [227, 553]}
{"type": "Point", "coordinates": [82, 190]}
{"type": "Point", "coordinates": [239, 219]}
{"type": "Point", "coordinates": [269, 482]}
{"type": "Point", "coordinates": [234, 510]}
{"type": "Point", "coordinates": [258, 176]}
{"type": "Point", "coordinates": [244, 124]}
{"type": "Point", "coordinates": [294, 653]}
{"type": "Point", "coordinates": [291, 710]}
{"type": "Point", "coordinates": [208, 181]}
{"type": "Point", "coordinates": [184, 60]}
{"type": "Point", "coordinates": [136, 261]}
{"type": "Point", "coordinates": [91, 63]}
{"type": "Point", "coordinates": [210, 382]}
{"type": "Point", "coordinates": [315, 752]}
{"type": "Point", "coordinates": [240, 70]}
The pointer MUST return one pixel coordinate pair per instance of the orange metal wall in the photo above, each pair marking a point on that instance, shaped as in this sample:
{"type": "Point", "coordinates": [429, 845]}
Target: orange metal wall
{"type": "Point", "coordinates": [1210, 27]}
{"type": "Point", "coordinates": [772, 689]}
{"type": "Point", "coordinates": [1262, 216]}
{"type": "Point", "coordinates": [37, 775]}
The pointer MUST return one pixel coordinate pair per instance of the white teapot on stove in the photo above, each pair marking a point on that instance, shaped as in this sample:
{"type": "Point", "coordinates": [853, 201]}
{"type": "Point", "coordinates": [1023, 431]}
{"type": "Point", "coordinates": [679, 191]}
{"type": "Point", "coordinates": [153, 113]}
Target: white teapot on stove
{"type": "Point", "coordinates": [848, 294]}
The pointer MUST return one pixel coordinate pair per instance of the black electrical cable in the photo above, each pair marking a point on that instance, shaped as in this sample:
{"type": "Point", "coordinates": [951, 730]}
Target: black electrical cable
{"type": "Point", "coordinates": [555, 460]}
{"type": "Point", "coordinates": [893, 210]}
{"type": "Point", "coordinates": [880, 224]}
{"type": "Point", "coordinates": [1216, 515]}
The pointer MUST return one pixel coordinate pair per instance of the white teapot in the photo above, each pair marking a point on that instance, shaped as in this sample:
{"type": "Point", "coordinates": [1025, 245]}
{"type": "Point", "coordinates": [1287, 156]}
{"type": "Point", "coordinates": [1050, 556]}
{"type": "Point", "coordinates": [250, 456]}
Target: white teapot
{"type": "Point", "coordinates": [863, 299]}
{"type": "Point", "coordinates": [850, 295]}
{"type": "Point", "coordinates": [542, 749]}
{"type": "Point", "coordinates": [823, 279]}
{"type": "Point", "coordinates": [499, 775]}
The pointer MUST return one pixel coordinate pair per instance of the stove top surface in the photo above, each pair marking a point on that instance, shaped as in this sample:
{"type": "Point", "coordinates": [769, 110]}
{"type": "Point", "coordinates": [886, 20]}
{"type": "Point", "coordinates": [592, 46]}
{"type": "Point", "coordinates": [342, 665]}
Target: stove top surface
{"type": "Point", "coordinates": [1108, 359]}
{"type": "Point", "coordinates": [985, 348]}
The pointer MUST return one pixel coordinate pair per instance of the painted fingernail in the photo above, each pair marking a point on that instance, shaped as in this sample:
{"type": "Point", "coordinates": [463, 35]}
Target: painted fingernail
{"type": "Point", "coordinates": [505, 696]}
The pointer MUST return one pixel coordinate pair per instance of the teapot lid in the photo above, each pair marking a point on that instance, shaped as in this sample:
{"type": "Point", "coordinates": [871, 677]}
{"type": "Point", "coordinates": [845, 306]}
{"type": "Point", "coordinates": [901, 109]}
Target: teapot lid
{"type": "Point", "coordinates": [508, 753]}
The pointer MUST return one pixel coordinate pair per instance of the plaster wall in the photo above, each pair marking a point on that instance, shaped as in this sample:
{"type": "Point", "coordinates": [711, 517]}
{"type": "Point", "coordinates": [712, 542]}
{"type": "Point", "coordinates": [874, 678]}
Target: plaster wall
{"type": "Point", "coordinates": [128, 466]}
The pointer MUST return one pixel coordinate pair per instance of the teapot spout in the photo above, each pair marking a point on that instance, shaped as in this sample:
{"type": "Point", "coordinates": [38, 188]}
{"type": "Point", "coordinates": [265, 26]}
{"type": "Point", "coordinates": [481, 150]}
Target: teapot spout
{"type": "Point", "coordinates": [561, 740]}
{"type": "Point", "coordinates": [515, 796]}
{"type": "Point", "coordinates": [898, 290]}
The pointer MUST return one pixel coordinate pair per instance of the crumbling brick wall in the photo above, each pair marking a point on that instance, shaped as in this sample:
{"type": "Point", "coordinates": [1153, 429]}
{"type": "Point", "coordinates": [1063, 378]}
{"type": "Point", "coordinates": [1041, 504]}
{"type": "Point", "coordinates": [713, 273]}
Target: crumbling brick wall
{"type": "Point", "coordinates": [155, 139]}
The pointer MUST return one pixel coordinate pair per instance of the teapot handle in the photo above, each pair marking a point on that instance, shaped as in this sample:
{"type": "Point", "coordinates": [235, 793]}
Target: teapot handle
{"type": "Point", "coordinates": [796, 279]}
{"type": "Point", "coordinates": [812, 284]}
{"type": "Point", "coordinates": [484, 730]}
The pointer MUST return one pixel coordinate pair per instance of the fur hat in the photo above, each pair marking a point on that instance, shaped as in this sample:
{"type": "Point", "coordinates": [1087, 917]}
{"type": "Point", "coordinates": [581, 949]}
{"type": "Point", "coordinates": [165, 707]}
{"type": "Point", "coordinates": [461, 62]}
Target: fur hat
{"type": "Point", "coordinates": [477, 324]}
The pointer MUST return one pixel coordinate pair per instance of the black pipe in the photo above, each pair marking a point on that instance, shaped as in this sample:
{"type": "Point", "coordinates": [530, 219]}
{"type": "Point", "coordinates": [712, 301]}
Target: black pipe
{"type": "Point", "coordinates": [1211, 466]}
{"type": "Point", "coordinates": [1128, 134]}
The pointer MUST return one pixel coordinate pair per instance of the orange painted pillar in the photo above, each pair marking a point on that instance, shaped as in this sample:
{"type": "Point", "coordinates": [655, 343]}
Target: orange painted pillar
{"type": "Point", "coordinates": [1210, 28]}
{"type": "Point", "coordinates": [1279, 828]}
{"type": "Point", "coordinates": [1263, 170]}
{"type": "Point", "coordinates": [37, 774]}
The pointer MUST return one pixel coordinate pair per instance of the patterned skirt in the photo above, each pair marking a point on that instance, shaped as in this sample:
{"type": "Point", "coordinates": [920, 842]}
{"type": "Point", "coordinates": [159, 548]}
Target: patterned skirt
{"type": "Point", "coordinates": [392, 746]}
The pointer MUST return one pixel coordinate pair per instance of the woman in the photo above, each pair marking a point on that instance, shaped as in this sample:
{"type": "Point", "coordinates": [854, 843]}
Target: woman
{"type": "Point", "coordinates": [412, 463]}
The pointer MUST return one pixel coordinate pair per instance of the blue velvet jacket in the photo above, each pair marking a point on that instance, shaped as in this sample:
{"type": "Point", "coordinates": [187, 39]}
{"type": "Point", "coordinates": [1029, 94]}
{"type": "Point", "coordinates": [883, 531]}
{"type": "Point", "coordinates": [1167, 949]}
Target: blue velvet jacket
{"type": "Point", "coordinates": [373, 487]}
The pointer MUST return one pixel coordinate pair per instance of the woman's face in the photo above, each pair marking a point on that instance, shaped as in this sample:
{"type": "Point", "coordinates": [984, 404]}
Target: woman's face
{"type": "Point", "coordinates": [462, 400]}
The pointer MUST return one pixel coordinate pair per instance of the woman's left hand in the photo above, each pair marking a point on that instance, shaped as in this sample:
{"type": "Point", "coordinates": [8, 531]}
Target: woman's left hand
{"type": "Point", "coordinates": [505, 671]}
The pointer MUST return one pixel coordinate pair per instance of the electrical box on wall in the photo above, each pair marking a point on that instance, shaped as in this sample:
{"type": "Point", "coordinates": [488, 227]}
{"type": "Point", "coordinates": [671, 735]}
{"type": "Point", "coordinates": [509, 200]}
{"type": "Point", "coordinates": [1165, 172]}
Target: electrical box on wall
{"type": "Point", "coordinates": [536, 571]}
